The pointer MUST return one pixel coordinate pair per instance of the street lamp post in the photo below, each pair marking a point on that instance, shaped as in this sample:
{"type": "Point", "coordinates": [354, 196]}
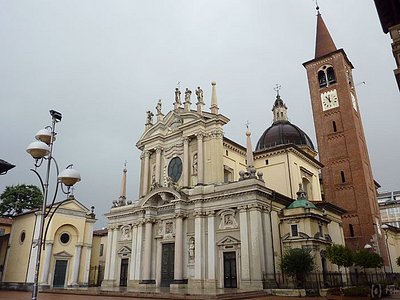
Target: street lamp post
{"type": "Point", "coordinates": [385, 228]}
{"type": "Point", "coordinates": [41, 150]}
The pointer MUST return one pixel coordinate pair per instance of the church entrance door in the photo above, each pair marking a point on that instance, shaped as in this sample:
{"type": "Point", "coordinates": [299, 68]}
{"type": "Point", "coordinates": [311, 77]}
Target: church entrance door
{"type": "Point", "coordinates": [230, 270]}
{"type": "Point", "coordinates": [123, 278]}
{"type": "Point", "coordinates": [59, 273]}
{"type": "Point", "coordinates": [167, 264]}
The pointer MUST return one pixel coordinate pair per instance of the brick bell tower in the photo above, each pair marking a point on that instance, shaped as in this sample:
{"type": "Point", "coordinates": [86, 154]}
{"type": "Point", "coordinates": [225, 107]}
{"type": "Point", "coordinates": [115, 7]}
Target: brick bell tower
{"type": "Point", "coordinates": [346, 175]}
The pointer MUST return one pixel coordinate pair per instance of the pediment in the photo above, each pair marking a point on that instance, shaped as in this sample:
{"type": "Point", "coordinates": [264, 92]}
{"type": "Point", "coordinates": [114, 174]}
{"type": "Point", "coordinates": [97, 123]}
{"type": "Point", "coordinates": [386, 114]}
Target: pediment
{"type": "Point", "coordinates": [228, 240]}
{"type": "Point", "coordinates": [161, 196]}
{"type": "Point", "coordinates": [63, 254]}
{"type": "Point", "coordinates": [74, 205]}
{"type": "Point", "coordinates": [124, 250]}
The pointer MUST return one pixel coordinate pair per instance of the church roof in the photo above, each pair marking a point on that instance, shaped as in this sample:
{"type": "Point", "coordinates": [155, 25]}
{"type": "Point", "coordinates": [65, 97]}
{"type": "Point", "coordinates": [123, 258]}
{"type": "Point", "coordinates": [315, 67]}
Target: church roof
{"type": "Point", "coordinates": [302, 200]}
{"type": "Point", "coordinates": [324, 43]}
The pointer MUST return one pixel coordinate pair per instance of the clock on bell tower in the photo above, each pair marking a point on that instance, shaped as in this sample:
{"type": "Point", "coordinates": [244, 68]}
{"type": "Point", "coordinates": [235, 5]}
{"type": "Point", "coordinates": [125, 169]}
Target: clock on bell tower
{"type": "Point", "coordinates": [346, 176]}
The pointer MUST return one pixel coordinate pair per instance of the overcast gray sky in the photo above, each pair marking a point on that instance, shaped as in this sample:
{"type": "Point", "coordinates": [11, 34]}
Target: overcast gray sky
{"type": "Point", "coordinates": [104, 63]}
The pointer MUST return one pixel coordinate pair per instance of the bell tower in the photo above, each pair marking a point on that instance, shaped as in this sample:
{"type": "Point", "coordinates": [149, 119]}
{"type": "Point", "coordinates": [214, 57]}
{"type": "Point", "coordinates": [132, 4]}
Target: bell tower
{"type": "Point", "coordinates": [346, 175]}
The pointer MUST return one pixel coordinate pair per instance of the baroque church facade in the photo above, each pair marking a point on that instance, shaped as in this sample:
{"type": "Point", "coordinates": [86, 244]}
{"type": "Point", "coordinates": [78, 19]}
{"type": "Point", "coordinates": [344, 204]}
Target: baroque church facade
{"type": "Point", "coordinates": [212, 213]}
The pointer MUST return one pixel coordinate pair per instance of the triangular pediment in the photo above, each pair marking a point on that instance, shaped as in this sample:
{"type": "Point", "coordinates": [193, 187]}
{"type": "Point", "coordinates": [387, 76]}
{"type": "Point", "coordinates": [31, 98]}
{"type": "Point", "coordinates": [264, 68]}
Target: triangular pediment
{"type": "Point", "coordinates": [124, 250]}
{"type": "Point", "coordinates": [72, 204]}
{"type": "Point", "coordinates": [228, 240]}
{"type": "Point", "coordinates": [63, 254]}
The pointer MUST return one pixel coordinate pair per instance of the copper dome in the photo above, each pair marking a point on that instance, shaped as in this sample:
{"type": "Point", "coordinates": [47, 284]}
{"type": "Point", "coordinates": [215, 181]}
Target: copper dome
{"type": "Point", "coordinates": [283, 133]}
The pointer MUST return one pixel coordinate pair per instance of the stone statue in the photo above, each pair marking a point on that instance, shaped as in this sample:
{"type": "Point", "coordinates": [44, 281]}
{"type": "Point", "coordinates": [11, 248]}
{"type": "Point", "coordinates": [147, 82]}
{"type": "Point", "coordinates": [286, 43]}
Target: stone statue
{"type": "Point", "coordinates": [194, 165]}
{"type": "Point", "coordinates": [199, 94]}
{"type": "Point", "coordinates": [149, 117]}
{"type": "Point", "coordinates": [188, 93]}
{"type": "Point", "coordinates": [178, 96]}
{"type": "Point", "coordinates": [191, 249]}
{"type": "Point", "coordinates": [158, 107]}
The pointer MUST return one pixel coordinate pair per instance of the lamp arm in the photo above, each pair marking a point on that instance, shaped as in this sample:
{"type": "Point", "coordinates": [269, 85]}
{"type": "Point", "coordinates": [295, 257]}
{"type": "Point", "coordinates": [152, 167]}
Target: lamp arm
{"type": "Point", "coordinates": [48, 223]}
{"type": "Point", "coordinates": [40, 179]}
{"type": "Point", "coordinates": [56, 190]}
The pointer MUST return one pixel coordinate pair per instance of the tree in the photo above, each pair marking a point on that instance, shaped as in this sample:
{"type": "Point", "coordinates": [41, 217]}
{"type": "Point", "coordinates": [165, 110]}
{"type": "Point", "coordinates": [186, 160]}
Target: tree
{"type": "Point", "coordinates": [297, 263]}
{"type": "Point", "coordinates": [20, 198]}
{"type": "Point", "coordinates": [366, 259]}
{"type": "Point", "coordinates": [340, 255]}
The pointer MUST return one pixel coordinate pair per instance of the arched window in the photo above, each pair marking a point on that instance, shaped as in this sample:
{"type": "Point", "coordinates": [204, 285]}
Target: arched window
{"type": "Point", "coordinates": [322, 79]}
{"type": "Point", "coordinates": [331, 75]}
{"type": "Point", "coordinates": [307, 187]}
{"type": "Point", "coordinates": [326, 76]}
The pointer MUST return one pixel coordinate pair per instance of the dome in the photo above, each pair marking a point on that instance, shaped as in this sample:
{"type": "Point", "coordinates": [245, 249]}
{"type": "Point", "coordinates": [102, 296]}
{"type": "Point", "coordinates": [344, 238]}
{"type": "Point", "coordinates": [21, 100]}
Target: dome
{"type": "Point", "coordinates": [282, 133]}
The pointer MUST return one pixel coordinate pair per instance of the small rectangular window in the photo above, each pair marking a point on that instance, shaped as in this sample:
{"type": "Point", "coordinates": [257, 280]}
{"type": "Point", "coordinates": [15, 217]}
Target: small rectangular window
{"type": "Point", "coordinates": [101, 249]}
{"type": "Point", "coordinates": [321, 233]}
{"type": "Point", "coordinates": [226, 152]}
{"type": "Point", "coordinates": [266, 162]}
{"type": "Point", "coordinates": [351, 230]}
{"type": "Point", "coordinates": [342, 177]}
{"type": "Point", "coordinates": [294, 229]}
{"type": "Point", "coordinates": [334, 126]}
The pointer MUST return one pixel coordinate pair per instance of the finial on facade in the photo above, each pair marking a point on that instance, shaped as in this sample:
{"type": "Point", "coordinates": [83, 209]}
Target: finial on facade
{"type": "Point", "coordinates": [122, 195]}
{"type": "Point", "coordinates": [214, 101]}
{"type": "Point", "coordinates": [317, 7]}
{"type": "Point", "coordinates": [200, 100]}
{"type": "Point", "coordinates": [277, 88]}
{"type": "Point", "coordinates": [249, 148]}
{"type": "Point", "coordinates": [187, 103]}
{"type": "Point", "coordinates": [301, 194]}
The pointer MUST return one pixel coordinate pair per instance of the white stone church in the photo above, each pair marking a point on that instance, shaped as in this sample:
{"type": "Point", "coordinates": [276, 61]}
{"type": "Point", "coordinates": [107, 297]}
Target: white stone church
{"type": "Point", "coordinates": [212, 213]}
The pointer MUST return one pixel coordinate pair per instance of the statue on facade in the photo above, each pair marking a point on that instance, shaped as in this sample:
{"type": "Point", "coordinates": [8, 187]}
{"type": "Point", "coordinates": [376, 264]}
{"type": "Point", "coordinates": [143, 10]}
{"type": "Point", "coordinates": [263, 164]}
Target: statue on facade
{"type": "Point", "coordinates": [191, 249]}
{"type": "Point", "coordinates": [194, 164]}
{"type": "Point", "coordinates": [178, 96]}
{"type": "Point", "coordinates": [158, 107]}
{"type": "Point", "coordinates": [199, 94]}
{"type": "Point", "coordinates": [149, 117]}
{"type": "Point", "coordinates": [188, 93]}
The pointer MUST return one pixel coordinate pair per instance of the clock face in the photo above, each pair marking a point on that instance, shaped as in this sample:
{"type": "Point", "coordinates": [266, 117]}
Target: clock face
{"type": "Point", "coordinates": [329, 100]}
{"type": "Point", "coordinates": [354, 101]}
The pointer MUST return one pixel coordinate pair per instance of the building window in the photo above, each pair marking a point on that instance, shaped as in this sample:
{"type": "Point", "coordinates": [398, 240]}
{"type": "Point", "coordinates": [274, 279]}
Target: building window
{"type": "Point", "coordinates": [101, 249]}
{"type": "Point", "coordinates": [351, 229]}
{"type": "Point", "coordinates": [326, 76]}
{"type": "Point", "coordinates": [294, 230]}
{"type": "Point", "coordinates": [64, 238]}
{"type": "Point", "coordinates": [334, 126]}
{"type": "Point", "coordinates": [226, 153]}
{"type": "Point", "coordinates": [342, 177]}
{"type": "Point", "coordinates": [175, 169]}
{"type": "Point", "coordinates": [266, 162]}
{"type": "Point", "coordinates": [22, 237]}
{"type": "Point", "coordinates": [321, 233]}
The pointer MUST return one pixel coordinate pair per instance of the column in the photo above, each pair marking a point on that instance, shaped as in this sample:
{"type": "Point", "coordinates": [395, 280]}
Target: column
{"type": "Point", "coordinates": [269, 245]}
{"type": "Point", "coordinates": [185, 161]}
{"type": "Point", "coordinates": [198, 246]}
{"type": "Point", "coordinates": [108, 255]}
{"type": "Point", "coordinates": [158, 165]}
{"type": "Point", "coordinates": [148, 236]}
{"type": "Point", "coordinates": [257, 248]}
{"type": "Point", "coordinates": [211, 245]}
{"type": "Point", "coordinates": [200, 159]}
{"type": "Point", "coordinates": [77, 263]}
{"type": "Point", "coordinates": [133, 253]}
{"type": "Point", "coordinates": [178, 259]}
{"type": "Point", "coordinates": [85, 279]}
{"type": "Point", "coordinates": [113, 254]}
{"type": "Point", "coordinates": [46, 266]}
{"type": "Point", "coordinates": [139, 244]}
{"type": "Point", "coordinates": [146, 172]}
{"type": "Point", "coordinates": [244, 239]}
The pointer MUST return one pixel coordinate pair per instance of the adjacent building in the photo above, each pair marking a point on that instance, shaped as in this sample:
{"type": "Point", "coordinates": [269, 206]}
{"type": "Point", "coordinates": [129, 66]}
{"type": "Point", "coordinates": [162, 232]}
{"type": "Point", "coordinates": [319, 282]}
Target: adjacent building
{"type": "Point", "coordinates": [66, 255]}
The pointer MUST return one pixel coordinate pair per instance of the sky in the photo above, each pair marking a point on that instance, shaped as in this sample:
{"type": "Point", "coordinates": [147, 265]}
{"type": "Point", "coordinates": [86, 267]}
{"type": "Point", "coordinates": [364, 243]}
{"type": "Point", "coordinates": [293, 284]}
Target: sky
{"type": "Point", "coordinates": [103, 64]}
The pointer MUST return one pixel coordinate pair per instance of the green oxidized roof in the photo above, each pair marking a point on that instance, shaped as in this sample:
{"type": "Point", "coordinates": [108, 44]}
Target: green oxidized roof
{"type": "Point", "coordinates": [302, 200]}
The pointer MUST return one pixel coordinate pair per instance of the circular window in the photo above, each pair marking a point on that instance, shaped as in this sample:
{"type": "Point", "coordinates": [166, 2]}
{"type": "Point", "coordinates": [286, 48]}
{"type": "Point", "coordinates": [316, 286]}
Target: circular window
{"type": "Point", "coordinates": [64, 238]}
{"type": "Point", "coordinates": [175, 169]}
{"type": "Point", "coordinates": [22, 237]}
